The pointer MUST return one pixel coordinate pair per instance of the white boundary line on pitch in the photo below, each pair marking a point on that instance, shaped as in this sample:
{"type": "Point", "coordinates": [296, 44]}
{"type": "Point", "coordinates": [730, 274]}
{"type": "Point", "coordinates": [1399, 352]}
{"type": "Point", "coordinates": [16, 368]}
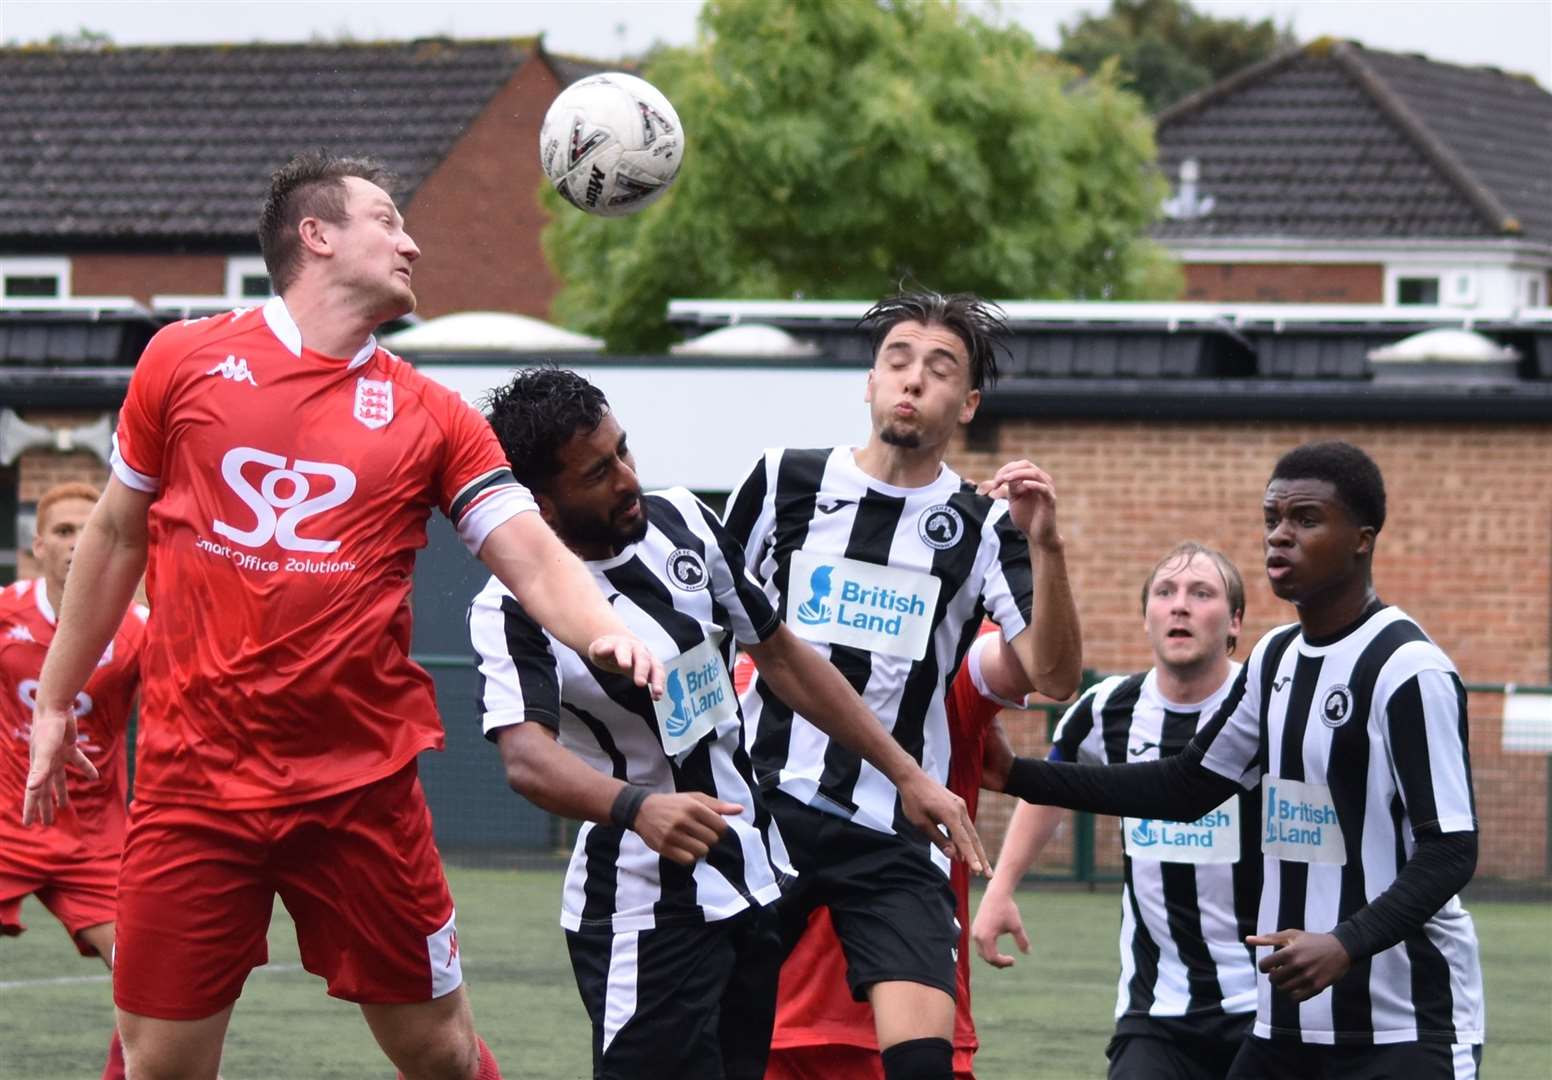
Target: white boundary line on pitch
{"type": "Point", "coordinates": [68, 980]}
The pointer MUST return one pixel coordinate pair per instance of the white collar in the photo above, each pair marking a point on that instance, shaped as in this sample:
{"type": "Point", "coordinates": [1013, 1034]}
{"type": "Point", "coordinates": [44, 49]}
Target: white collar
{"type": "Point", "coordinates": [284, 327]}
{"type": "Point", "coordinates": [46, 609]}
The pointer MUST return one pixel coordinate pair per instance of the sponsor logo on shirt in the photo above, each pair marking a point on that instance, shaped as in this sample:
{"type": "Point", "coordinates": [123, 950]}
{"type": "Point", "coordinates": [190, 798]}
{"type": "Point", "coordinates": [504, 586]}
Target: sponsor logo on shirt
{"type": "Point", "coordinates": [19, 633]}
{"type": "Point", "coordinates": [940, 526]}
{"type": "Point", "coordinates": [374, 402]}
{"type": "Point", "coordinates": [233, 369]}
{"type": "Point", "coordinates": [281, 500]}
{"type": "Point", "coordinates": [687, 569]}
{"type": "Point", "coordinates": [27, 691]}
{"type": "Point", "coordinates": [831, 506]}
{"type": "Point", "coordinates": [879, 608]}
{"type": "Point", "coordinates": [1279, 684]}
{"type": "Point", "coordinates": [697, 697]}
{"type": "Point", "coordinates": [1211, 838]}
{"type": "Point", "coordinates": [1301, 823]}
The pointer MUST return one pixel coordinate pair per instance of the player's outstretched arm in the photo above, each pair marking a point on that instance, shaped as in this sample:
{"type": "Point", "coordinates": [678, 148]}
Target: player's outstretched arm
{"type": "Point", "coordinates": [104, 572]}
{"type": "Point", "coordinates": [811, 686]}
{"type": "Point", "coordinates": [555, 588]}
{"type": "Point", "coordinates": [681, 827]}
{"type": "Point", "coordinates": [1029, 831]}
{"type": "Point", "coordinates": [1173, 789]}
{"type": "Point", "coordinates": [1051, 648]}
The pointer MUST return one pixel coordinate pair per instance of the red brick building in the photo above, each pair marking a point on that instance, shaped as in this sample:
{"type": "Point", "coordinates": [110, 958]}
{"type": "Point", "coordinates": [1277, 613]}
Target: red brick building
{"type": "Point", "coordinates": [139, 171]}
{"type": "Point", "coordinates": [1332, 173]}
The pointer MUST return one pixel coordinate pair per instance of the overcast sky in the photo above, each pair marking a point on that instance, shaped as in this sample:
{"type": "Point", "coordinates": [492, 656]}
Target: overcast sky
{"type": "Point", "coordinates": [1515, 35]}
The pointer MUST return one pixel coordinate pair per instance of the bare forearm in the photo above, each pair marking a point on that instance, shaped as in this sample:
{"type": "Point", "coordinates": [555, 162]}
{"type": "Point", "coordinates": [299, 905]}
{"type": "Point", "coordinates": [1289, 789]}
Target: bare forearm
{"type": "Point", "coordinates": [550, 582]}
{"type": "Point", "coordinates": [1051, 650]}
{"type": "Point", "coordinates": [815, 689]}
{"type": "Point", "coordinates": [553, 778]}
{"type": "Point", "coordinates": [105, 571]}
{"type": "Point", "coordinates": [1029, 831]}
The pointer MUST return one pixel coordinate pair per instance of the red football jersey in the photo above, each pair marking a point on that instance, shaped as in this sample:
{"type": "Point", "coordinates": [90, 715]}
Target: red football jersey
{"type": "Point", "coordinates": [814, 1005]}
{"type": "Point", "coordinates": [92, 826]}
{"type": "Point", "coordinates": [292, 491]}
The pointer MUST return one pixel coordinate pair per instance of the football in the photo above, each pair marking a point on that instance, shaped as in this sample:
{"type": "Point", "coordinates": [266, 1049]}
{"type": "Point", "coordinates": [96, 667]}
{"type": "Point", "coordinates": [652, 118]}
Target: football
{"type": "Point", "coordinates": [611, 144]}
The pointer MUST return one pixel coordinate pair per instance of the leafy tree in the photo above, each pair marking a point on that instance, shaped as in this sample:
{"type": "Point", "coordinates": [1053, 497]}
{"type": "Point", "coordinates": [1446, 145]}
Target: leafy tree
{"type": "Point", "coordinates": [837, 149]}
{"type": "Point", "coordinates": [1167, 49]}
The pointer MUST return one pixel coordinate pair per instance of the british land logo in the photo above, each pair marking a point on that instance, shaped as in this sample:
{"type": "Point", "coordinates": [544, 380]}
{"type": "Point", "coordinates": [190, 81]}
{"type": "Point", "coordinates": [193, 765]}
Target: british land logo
{"type": "Point", "coordinates": [1336, 707]}
{"type": "Point", "coordinates": [233, 369]}
{"type": "Point", "coordinates": [940, 526]}
{"type": "Point", "coordinates": [374, 402]}
{"type": "Point", "coordinates": [814, 611]}
{"type": "Point", "coordinates": [862, 605]}
{"type": "Point", "coordinates": [687, 570]}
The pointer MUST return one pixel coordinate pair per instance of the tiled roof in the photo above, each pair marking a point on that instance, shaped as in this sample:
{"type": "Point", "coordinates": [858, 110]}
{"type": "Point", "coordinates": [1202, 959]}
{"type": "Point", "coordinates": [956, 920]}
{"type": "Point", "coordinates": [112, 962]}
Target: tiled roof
{"type": "Point", "coordinates": [1335, 141]}
{"type": "Point", "coordinates": [177, 143]}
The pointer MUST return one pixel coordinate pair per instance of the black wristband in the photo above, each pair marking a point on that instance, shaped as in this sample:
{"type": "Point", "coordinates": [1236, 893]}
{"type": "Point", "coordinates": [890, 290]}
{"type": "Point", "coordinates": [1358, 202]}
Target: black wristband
{"type": "Point", "coordinates": [627, 804]}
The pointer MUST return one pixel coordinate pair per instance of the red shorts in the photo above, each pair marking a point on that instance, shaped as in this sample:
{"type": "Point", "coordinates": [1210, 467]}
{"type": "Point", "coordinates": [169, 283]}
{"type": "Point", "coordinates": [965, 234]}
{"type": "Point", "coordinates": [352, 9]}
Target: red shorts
{"type": "Point", "coordinates": [852, 1062]}
{"type": "Point", "coordinates": [358, 871]}
{"type": "Point", "coordinates": [80, 895]}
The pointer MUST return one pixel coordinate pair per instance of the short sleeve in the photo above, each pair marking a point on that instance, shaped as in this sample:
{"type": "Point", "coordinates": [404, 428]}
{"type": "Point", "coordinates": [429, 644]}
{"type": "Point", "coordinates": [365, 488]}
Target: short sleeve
{"type": "Point", "coordinates": [477, 490]}
{"type": "Point", "coordinates": [519, 676]}
{"type": "Point", "coordinates": [1008, 589]}
{"type": "Point", "coordinates": [1078, 736]}
{"type": "Point", "coordinates": [748, 518]}
{"type": "Point", "coordinates": [140, 442]}
{"type": "Point", "coordinates": [1426, 736]}
{"type": "Point", "coordinates": [749, 610]}
{"type": "Point", "coordinates": [1230, 743]}
{"type": "Point", "coordinates": [974, 704]}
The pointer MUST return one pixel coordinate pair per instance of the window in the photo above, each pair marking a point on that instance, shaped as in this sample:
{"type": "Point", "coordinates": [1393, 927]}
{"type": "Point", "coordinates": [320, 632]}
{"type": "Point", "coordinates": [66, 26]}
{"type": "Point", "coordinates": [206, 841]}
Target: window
{"type": "Point", "coordinates": [34, 279]}
{"type": "Point", "coordinates": [1417, 290]}
{"type": "Point", "coordinates": [246, 278]}
{"type": "Point", "coordinates": [1533, 292]}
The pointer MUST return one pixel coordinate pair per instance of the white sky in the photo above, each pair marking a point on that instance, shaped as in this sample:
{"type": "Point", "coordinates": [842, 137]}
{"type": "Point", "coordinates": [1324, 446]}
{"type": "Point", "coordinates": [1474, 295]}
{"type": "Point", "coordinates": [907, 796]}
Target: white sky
{"type": "Point", "coordinates": [1515, 35]}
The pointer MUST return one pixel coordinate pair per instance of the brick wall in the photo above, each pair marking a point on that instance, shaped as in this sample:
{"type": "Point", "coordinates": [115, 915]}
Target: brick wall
{"type": "Point", "coordinates": [477, 217]}
{"type": "Point", "coordinates": [1286, 283]}
{"type": "Point", "coordinates": [1466, 550]}
{"type": "Point", "coordinates": [145, 275]}
{"type": "Point", "coordinates": [39, 470]}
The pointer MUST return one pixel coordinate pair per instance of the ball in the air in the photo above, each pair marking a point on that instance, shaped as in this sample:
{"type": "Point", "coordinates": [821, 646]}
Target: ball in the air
{"type": "Point", "coordinates": [611, 144]}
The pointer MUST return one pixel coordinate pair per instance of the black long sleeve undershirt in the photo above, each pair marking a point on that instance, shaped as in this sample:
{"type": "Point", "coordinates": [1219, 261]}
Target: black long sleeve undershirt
{"type": "Point", "coordinates": [1177, 788]}
{"type": "Point", "coordinates": [1180, 788]}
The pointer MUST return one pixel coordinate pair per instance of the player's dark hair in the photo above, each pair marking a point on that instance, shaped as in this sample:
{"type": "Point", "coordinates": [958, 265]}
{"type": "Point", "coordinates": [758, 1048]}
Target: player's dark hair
{"type": "Point", "coordinates": [536, 414]}
{"type": "Point", "coordinates": [978, 323]}
{"type": "Point", "coordinates": [1353, 474]}
{"type": "Point", "coordinates": [311, 184]}
{"type": "Point", "coordinates": [1233, 584]}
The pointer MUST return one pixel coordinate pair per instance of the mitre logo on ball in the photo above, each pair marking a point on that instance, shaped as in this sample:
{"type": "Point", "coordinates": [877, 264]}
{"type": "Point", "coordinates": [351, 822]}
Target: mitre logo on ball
{"type": "Point", "coordinates": [611, 144]}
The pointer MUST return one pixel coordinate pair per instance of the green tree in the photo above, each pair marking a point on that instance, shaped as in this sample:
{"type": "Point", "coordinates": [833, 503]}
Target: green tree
{"type": "Point", "coordinates": [835, 149]}
{"type": "Point", "coordinates": [1167, 49]}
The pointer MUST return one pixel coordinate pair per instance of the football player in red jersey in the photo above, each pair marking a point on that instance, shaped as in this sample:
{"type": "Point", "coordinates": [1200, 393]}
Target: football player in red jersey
{"type": "Point", "coordinates": [273, 472]}
{"type": "Point", "coordinates": [821, 1031]}
{"type": "Point", "coordinates": [73, 866]}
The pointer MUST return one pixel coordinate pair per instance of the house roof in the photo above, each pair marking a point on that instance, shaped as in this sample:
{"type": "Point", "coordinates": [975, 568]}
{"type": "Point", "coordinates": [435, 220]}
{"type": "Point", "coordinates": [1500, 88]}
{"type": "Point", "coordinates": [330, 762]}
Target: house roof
{"type": "Point", "coordinates": [176, 143]}
{"type": "Point", "coordinates": [1335, 141]}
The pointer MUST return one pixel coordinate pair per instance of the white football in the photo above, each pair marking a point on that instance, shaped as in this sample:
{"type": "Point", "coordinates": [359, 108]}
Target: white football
{"type": "Point", "coordinates": [611, 144]}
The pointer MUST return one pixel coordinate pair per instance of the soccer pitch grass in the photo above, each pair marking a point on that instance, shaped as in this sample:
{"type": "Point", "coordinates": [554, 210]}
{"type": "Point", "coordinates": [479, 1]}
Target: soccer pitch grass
{"type": "Point", "coordinates": [1048, 1017]}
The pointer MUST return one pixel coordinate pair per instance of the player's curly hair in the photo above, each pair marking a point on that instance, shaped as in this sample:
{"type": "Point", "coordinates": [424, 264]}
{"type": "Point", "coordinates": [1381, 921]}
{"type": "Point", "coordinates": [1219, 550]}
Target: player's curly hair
{"type": "Point", "coordinates": [536, 414]}
{"type": "Point", "coordinates": [1353, 474]}
{"type": "Point", "coordinates": [979, 323]}
{"type": "Point", "coordinates": [311, 184]}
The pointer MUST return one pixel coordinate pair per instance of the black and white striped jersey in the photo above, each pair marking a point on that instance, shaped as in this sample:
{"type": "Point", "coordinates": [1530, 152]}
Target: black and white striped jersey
{"type": "Point", "coordinates": [1359, 745]}
{"type": "Point", "coordinates": [683, 590]}
{"type": "Point", "coordinates": [1192, 888]}
{"type": "Point", "coordinates": [890, 584]}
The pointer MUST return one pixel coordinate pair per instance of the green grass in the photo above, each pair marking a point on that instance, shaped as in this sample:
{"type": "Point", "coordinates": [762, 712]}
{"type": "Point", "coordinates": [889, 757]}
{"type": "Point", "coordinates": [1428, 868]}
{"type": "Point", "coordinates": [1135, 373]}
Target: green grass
{"type": "Point", "coordinates": [1047, 1017]}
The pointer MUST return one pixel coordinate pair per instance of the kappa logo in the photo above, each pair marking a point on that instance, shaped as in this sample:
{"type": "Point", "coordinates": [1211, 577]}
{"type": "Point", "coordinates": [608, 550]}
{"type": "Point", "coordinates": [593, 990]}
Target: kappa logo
{"type": "Point", "coordinates": [233, 369]}
{"type": "Point", "coordinates": [19, 633]}
{"type": "Point", "coordinates": [687, 570]}
{"type": "Point", "coordinates": [374, 402]}
{"type": "Point", "coordinates": [1336, 707]}
{"type": "Point", "coordinates": [940, 526]}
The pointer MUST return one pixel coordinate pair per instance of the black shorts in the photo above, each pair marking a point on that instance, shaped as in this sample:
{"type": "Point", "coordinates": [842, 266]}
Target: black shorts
{"type": "Point", "coordinates": [1285, 1059]}
{"type": "Point", "coordinates": [892, 908]}
{"type": "Point", "coordinates": [692, 1002]}
{"type": "Point", "coordinates": [1177, 1048]}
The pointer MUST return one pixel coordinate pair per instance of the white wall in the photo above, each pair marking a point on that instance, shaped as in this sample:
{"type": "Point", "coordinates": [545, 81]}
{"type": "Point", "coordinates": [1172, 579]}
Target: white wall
{"type": "Point", "coordinates": [704, 427]}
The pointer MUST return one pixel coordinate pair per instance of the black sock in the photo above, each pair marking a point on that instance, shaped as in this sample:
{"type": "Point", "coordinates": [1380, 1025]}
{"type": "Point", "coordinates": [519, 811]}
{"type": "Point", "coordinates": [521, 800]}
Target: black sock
{"type": "Point", "coordinates": [919, 1059]}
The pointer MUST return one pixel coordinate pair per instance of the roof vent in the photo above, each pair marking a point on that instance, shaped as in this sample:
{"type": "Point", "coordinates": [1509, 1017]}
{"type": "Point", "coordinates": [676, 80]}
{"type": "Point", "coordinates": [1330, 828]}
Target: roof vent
{"type": "Point", "coordinates": [489, 331]}
{"type": "Point", "coordinates": [1188, 204]}
{"type": "Point", "coordinates": [1445, 346]}
{"type": "Point", "coordinates": [745, 339]}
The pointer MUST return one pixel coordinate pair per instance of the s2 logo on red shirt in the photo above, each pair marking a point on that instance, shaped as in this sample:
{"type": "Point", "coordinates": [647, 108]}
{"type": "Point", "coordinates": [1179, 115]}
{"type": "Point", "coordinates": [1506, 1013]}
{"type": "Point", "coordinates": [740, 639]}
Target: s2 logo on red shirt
{"type": "Point", "coordinates": [284, 486]}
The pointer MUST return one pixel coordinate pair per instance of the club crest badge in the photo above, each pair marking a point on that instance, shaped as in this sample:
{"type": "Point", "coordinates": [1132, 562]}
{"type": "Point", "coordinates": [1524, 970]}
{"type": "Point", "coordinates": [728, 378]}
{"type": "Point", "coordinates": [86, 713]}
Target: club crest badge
{"type": "Point", "coordinates": [374, 402]}
{"type": "Point", "coordinates": [940, 526]}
